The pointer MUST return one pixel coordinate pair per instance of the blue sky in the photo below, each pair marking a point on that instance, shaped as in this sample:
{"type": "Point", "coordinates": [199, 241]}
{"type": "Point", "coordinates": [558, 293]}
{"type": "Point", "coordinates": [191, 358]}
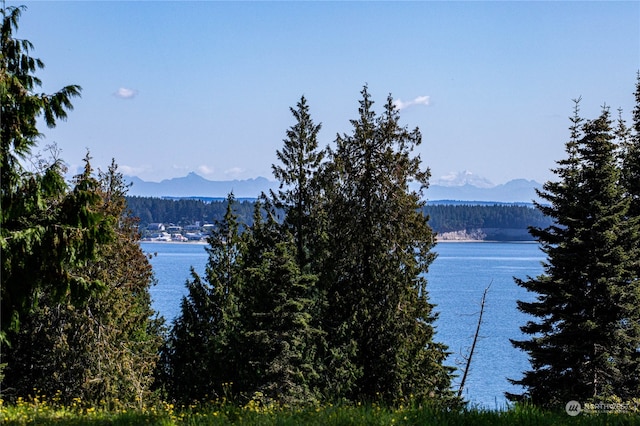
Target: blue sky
{"type": "Point", "coordinates": [174, 87]}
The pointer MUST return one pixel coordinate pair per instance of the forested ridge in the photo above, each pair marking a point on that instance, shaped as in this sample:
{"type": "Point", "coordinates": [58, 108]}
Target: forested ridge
{"type": "Point", "coordinates": [442, 217]}
{"type": "Point", "coordinates": [316, 293]}
{"type": "Point", "coordinates": [450, 218]}
{"type": "Point", "coordinates": [184, 211]}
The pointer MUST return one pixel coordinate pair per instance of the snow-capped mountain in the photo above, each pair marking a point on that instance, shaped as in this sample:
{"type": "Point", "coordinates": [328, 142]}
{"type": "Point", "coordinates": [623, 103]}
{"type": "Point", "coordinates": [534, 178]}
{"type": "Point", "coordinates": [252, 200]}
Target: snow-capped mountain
{"type": "Point", "coordinates": [514, 191]}
{"type": "Point", "coordinates": [464, 178]}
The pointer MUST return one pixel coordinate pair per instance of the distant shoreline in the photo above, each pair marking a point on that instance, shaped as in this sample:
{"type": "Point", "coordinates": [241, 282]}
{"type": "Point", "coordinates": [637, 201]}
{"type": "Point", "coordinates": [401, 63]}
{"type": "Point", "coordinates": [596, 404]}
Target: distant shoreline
{"type": "Point", "coordinates": [173, 242]}
{"type": "Point", "coordinates": [463, 241]}
{"type": "Point", "coordinates": [488, 241]}
{"type": "Point", "coordinates": [204, 243]}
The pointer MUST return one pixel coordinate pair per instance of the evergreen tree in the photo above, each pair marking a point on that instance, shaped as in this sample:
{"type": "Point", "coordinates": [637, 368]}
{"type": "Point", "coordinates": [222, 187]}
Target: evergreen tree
{"type": "Point", "coordinates": [631, 159]}
{"type": "Point", "coordinates": [198, 358]}
{"type": "Point", "coordinates": [105, 348]}
{"type": "Point", "coordinates": [278, 336]}
{"type": "Point", "coordinates": [379, 318]}
{"type": "Point", "coordinates": [582, 341]}
{"type": "Point", "coordinates": [298, 194]}
{"type": "Point", "coordinates": [21, 106]}
{"type": "Point", "coordinates": [630, 141]}
{"type": "Point", "coordinates": [47, 234]}
{"type": "Point", "coordinates": [301, 199]}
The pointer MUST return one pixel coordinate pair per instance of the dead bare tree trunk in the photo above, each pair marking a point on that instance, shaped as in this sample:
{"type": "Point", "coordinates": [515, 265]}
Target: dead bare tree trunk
{"type": "Point", "coordinates": [475, 340]}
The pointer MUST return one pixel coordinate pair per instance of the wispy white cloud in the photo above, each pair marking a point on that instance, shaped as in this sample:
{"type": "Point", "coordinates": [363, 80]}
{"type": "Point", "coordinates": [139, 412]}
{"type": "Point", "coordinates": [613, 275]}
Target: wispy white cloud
{"type": "Point", "coordinates": [420, 100]}
{"type": "Point", "coordinates": [205, 170]}
{"type": "Point", "coordinates": [133, 170]}
{"type": "Point", "coordinates": [125, 93]}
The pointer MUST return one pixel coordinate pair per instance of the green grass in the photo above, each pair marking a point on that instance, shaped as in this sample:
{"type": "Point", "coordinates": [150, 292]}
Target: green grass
{"type": "Point", "coordinates": [38, 412]}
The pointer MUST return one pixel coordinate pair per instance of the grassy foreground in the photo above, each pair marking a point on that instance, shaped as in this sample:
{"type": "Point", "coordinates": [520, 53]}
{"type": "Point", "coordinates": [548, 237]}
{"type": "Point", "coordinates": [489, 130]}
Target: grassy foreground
{"type": "Point", "coordinates": [40, 412]}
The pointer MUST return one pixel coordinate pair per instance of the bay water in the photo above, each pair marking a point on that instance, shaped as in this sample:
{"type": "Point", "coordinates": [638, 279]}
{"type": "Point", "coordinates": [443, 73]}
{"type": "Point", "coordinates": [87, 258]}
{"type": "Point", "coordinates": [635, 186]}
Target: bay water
{"type": "Point", "coordinates": [456, 281]}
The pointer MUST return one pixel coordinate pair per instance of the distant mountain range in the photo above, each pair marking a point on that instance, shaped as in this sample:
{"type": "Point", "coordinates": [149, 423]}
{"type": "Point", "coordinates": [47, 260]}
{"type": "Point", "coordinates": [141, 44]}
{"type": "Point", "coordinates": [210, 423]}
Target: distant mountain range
{"type": "Point", "coordinates": [514, 191]}
{"type": "Point", "coordinates": [449, 188]}
{"type": "Point", "coordinates": [194, 185]}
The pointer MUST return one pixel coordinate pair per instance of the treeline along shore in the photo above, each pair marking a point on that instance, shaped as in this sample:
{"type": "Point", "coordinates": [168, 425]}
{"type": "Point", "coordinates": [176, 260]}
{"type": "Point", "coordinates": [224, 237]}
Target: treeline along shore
{"type": "Point", "coordinates": [181, 217]}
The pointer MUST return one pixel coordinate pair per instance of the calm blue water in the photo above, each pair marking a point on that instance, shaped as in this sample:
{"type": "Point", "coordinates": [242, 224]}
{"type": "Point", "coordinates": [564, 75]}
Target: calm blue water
{"type": "Point", "coordinates": [457, 279]}
{"type": "Point", "coordinates": [172, 267]}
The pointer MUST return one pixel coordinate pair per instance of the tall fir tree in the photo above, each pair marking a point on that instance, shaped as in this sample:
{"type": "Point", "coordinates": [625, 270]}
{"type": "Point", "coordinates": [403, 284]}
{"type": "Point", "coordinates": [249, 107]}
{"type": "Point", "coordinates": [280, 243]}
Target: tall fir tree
{"type": "Point", "coordinates": [630, 141]}
{"type": "Point", "coordinates": [278, 337]}
{"type": "Point", "coordinates": [199, 360]}
{"type": "Point", "coordinates": [581, 346]}
{"type": "Point", "coordinates": [631, 154]}
{"type": "Point", "coordinates": [379, 317]}
{"type": "Point", "coordinates": [300, 198]}
{"type": "Point", "coordinates": [300, 161]}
